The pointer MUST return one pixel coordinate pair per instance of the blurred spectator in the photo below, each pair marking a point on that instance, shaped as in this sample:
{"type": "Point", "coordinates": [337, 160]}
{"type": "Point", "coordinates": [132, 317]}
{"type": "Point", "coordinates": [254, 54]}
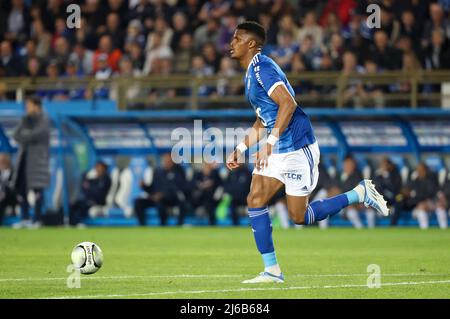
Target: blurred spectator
{"type": "Point", "coordinates": [226, 71]}
{"type": "Point", "coordinates": [158, 50]}
{"type": "Point", "coordinates": [203, 192]}
{"type": "Point", "coordinates": [285, 50]}
{"type": "Point", "coordinates": [384, 55]}
{"type": "Point", "coordinates": [443, 204]}
{"type": "Point", "coordinates": [437, 22]}
{"type": "Point", "coordinates": [8, 60]}
{"type": "Point", "coordinates": [420, 194]}
{"type": "Point", "coordinates": [95, 185]}
{"type": "Point", "coordinates": [310, 53]}
{"type": "Point", "coordinates": [310, 27]}
{"type": "Point", "coordinates": [168, 188]}
{"type": "Point", "coordinates": [245, 9]}
{"type": "Point", "coordinates": [286, 24]}
{"type": "Point", "coordinates": [114, 29]}
{"type": "Point", "coordinates": [60, 53]}
{"type": "Point", "coordinates": [180, 27]}
{"type": "Point", "coordinates": [389, 24]}
{"type": "Point", "coordinates": [184, 53]}
{"type": "Point", "coordinates": [332, 26]}
{"type": "Point", "coordinates": [104, 72]}
{"type": "Point", "coordinates": [437, 54]}
{"type": "Point", "coordinates": [134, 35]}
{"type": "Point", "coordinates": [237, 185]}
{"type": "Point", "coordinates": [105, 46]}
{"type": "Point", "coordinates": [226, 32]}
{"type": "Point", "coordinates": [34, 68]}
{"type": "Point", "coordinates": [162, 35]}
{"type": "Point", "coordinates": [83, 58]}
{"type": "Point", "coordinates": [387, 181]}
{"type": "Point", "coordinates": [31, 174]}
{"type": "Point", "coordinates": [208, 32]}
{"type": "Point", "coordinates": [7, 196]}
{"type": "Point", "coordinates": [200, 69]}
{"type": "Point", "coordinates": [211, 56]}
{"type": "Point", "coordinates": [343, 9]}
{"type": "Point", "coordinates": [18, 22]}
{"type": "Point", "coordinates": [335, 50]}
{"type": "Point", "coordinates": [74, 90]}
{"type": "Point", "coordinates": [56, 90]}
{"type": "Point", "coordinates": [43, 39]}
{"type": "Point", "coordinates": [411, 29]}
{"type": "Point", "coordinates": [349, 178]}
{"type": "Point", "coordinates": [215, 9]}
{"type": "Point", "coordinates": [369, 93]}
{"type": "Point", "coordinates": [136, 56]}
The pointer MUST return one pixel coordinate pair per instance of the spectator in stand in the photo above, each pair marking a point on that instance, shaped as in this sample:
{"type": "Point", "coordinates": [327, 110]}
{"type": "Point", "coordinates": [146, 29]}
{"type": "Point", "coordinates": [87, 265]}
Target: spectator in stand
{"type": "Point", "coordinates": [158, 50]}
{"type": "Point", "coordinates": [350, 177]}
{"type": "Point", "coordinates": [168, 188]}
{"type": "Point", "coordinates": [226, 32]}
{"type": "Point", "coordinates": [203, 191]}
{"type": "Point", "coordinates": [332, 26]}
{"type": "Point", "coordinates": [421, 194]}
{"type": "Point", "coordinates": [7, 195]}
{"type": "Point", "coordinates": [9, 61]}
{"type": "Point", "coordinates": [84, 59]}
{"type": "Point", "coordinates": [105, 47]}
{"type": "Point", "coordinates": [95, 185]}
{"type": "Point", "coordinates": [18, 22]}
{"type": "Point", "coordinates": [310, 53]}
{"type": "Point", "coordinates": [437, 54]}
{"type": "Point", "coordinates": [114, 29]}
{"type": "Point", "coordinates": [285, 50]}
{"type": "Point", "coordinates": [136, 56]}
{"type": "Point", "coordinates": [74, 91]}
{"type": "Point", "coordinates": [215, 9]}
{"type": "Point", "coordinates": [389, 24]}
{"type": "Point", "coordinates": [180, 26]}
{"type": "Point", "coordinates": [437, 22]}
{"type": "Point", "coordinates": [34, 68]}
{"type": "Point", "coordinates": [237, 186]}
{"type": "Point", "coordinates": [310, 27]}
{"type": "Point", "coordinates": [42, 37]}
{"type": "Point", "coordinates": [370, 94]}
{"type": "Point", "coordinates": [443, 203]}
{"type": "Point", "coordinates": [208, 32]}
{"type": "Point", "coordinates": [134, 35]}
{"type": "Point", "coordinates": [411, 29]}
{"type": "Point", "coordinates": [60, 53]}
{"type": "Point", "coordinates": [335, 50]}
{"type": "Point", "coordinates": [162, 31]}
{"type": "Point", "coordinates": [200, 69]}
{"type": "Point", "coordinates": [388, 181]}
{"type": "Point", "coordinates": [384, 55]}
{"type": "Point", "coordinates": [57, 90]}
{"type": "Point", "coordinates": [287, 24]}
{"type": "Point", "coordinates": [184, 53]}
{"type": "Point", "coordinates": [227, 70]}
{"type": "Point", "coordinates": [211, 56]}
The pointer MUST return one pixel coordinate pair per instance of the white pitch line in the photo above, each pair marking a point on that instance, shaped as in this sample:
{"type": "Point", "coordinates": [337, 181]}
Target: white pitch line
{"type": "Point", "coordinates": [406, 283]}
{"type": "Point", "coordinates": [208, 276]}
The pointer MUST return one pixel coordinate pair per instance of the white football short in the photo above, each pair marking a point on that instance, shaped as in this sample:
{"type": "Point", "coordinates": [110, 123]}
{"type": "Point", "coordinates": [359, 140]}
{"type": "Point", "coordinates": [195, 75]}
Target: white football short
{"type": "Point", "coordinates": [298, 170]}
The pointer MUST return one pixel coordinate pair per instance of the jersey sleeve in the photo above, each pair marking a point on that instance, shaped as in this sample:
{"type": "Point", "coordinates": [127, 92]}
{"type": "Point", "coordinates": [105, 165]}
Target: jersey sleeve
{"type": "Point", "coordinates": [267, 76]}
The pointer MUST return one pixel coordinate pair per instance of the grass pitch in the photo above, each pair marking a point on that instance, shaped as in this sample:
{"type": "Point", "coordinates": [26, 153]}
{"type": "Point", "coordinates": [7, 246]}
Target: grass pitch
{"type": "Point", "coordinates": [211, 263]}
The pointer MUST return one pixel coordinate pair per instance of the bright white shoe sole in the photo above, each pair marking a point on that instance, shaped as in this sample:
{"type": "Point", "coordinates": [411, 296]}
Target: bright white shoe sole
{"type": "Point", "coordinates": [265, 277]}
{"type": "Point", "coordinates": [372, 198]}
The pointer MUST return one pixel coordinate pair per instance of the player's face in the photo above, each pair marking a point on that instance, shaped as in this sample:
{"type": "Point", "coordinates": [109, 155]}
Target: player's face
{"type": "Point", "coordinates": [239, 44]}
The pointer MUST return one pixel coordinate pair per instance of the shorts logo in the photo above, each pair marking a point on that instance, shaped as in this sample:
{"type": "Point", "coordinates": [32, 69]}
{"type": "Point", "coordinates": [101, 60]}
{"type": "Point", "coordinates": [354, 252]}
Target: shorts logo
{"type": "Point", "coordinates": [294, 176]}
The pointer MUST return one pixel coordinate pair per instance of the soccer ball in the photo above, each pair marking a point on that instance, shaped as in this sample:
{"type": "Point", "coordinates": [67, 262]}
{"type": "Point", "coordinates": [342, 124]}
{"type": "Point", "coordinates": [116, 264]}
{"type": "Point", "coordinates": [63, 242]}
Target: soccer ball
{"type": "Point", "coordinates": [87, 257]}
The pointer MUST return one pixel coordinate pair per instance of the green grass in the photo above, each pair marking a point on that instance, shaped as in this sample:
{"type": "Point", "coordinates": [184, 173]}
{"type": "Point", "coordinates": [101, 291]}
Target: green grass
{"type": "Point", "coordinates": [150, 262]}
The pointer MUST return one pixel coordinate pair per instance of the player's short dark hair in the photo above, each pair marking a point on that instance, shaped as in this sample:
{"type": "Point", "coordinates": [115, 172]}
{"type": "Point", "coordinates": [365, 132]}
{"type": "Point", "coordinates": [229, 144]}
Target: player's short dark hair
{"type": "Point", "coordinates": [36, 100]}
{"type": "Point", "coordinates": [254, 28]}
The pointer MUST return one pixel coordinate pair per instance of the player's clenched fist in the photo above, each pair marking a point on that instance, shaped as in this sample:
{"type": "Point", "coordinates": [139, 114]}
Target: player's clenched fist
{"type": "Point", "coordinates": [233, 160]}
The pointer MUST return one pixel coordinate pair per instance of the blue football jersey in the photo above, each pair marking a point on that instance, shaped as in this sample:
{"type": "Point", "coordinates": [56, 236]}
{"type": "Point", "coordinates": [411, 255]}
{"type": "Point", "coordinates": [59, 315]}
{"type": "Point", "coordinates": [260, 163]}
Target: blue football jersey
{"type": "Point", "coordinates": [262, 77]}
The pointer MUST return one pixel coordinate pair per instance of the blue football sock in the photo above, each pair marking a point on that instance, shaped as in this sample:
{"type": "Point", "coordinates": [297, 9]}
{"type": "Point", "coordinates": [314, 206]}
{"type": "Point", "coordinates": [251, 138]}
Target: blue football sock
{"type": "Point", "coordinates": [321, 209]}
{"type": "Point", "coordinates": [262, 231]}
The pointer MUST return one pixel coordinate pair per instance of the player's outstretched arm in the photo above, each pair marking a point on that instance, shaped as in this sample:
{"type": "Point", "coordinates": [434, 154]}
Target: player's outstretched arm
{"type": "Point", "coordinates": [253, 137]}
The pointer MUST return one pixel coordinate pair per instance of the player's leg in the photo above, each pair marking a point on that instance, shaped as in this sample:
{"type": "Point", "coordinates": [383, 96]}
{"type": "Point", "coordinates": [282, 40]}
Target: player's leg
{"type": "Point", "coordinates": [299, 188]}
{"type": "Point", "coordinates": [262, 189]}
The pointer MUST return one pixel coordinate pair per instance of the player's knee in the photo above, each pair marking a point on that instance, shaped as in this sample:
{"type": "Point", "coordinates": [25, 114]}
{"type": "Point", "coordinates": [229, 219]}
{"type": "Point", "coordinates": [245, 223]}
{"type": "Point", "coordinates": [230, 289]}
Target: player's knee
{"type": "Point", "coordinates": [297, 216]}
{"type": "Point", "coordinates": [256, 200]}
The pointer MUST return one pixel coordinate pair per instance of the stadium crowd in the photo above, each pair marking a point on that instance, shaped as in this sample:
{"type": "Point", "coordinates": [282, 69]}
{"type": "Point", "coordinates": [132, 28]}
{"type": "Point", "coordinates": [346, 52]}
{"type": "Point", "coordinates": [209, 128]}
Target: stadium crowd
{"type": "Point", "coordinates": [159, 37]}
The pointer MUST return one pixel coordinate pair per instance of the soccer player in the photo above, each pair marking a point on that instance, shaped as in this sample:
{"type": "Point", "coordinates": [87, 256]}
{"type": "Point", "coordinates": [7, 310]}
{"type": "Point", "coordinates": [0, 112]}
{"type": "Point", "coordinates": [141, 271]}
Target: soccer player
{"type": "Point", "coordinates": [291, 155]}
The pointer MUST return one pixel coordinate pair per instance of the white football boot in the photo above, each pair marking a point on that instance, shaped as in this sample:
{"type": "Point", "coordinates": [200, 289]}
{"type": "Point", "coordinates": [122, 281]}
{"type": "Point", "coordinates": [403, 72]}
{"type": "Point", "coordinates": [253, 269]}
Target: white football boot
{"type": "Point", "coordinates": [265, 277]}
{"type": "Point", "coordinates": [374, 199]}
